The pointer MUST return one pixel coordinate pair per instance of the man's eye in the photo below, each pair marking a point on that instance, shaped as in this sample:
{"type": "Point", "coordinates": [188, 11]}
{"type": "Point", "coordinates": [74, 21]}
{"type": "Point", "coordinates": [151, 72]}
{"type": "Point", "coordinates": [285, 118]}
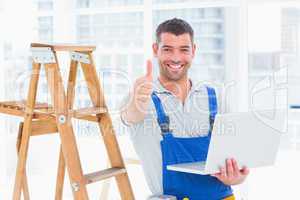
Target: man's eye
{"type": "Point", "coordinates": [185, 50]}
{"type": "Point", "coordinates": [167, 49]}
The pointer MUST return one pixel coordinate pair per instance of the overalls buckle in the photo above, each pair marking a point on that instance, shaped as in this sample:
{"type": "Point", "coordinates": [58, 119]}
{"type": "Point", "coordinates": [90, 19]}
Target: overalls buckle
{"type": "Point", "coordinates": [165, 126]}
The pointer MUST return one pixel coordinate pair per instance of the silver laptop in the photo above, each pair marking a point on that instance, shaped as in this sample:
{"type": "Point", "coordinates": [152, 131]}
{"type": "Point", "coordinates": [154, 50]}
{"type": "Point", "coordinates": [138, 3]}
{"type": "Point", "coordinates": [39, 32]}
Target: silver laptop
{"type": "Point", "coordinates": [251, 138]}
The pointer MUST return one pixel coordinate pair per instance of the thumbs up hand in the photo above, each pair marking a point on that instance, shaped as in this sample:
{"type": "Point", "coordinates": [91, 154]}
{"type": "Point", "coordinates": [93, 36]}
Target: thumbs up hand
{"type": "Point", "coordinates": [140, 98]}
{"type": "Point", "coordinates": [143, 87]}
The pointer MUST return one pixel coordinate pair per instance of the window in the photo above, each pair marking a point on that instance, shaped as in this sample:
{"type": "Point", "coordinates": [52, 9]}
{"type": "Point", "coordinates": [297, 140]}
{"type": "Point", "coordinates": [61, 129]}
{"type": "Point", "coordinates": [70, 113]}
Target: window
{"type": "Point", "coordinates": [45, 28]}
{"type": "Point", "coordinates": [273, 52]}
{"type": "Point", "coordinates": [106, 3]}
{"type": "Point", "coordinates": [84, 29]}
{"type": "Point", "coordinates": [45, 5]}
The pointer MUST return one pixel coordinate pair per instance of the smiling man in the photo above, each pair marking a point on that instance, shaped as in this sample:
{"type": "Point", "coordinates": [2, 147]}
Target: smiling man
{"type": "Point", "coordinates": [169, 119]}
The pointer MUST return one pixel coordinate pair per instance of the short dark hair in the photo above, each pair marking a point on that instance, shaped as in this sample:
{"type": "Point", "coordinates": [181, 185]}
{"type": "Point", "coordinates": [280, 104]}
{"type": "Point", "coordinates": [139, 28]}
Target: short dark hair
{"type": "Point", "coordinates": [175, 26]}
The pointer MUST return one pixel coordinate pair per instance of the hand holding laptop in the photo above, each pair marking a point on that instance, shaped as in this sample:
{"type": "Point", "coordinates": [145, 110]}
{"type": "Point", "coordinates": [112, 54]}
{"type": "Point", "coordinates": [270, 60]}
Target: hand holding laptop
{"type": "Point", "coordinates": [244, 137]}
{"type": "Point", "coordinates": [231, 174]}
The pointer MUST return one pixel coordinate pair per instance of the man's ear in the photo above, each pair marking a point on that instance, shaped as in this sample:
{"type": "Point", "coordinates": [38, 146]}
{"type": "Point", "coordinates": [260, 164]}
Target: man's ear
{"type": "Point", "coordinates": [193, 50]}
{"type": "Point", "coordinates": [155, 49]}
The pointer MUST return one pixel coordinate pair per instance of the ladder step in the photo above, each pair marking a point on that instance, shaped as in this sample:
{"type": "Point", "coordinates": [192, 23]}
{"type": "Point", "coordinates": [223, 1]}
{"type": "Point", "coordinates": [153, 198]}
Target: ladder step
{"type": "Point", "coordinates": [85, 112]}
{"type": "Point", "coordinates": [41, 127]}
{"type": "Point", "coordinates": [17, 108]}
{"type": "Point", "coordinates": [103, 174]}
{"type": "Point", "coordinates": [66, 47]}
{"type": "Point", "coordinates": [20, 105]}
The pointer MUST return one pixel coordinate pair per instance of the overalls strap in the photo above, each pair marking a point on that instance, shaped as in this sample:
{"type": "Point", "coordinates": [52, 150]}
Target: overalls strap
{"type": "Point", "coordinates": [162, 119]}
{"type": "Point", "coordinates": [213, 107]}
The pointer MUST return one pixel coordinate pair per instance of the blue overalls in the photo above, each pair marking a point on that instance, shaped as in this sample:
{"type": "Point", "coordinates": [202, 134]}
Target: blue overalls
{"type": "Point", "coordinates": [183, 150]}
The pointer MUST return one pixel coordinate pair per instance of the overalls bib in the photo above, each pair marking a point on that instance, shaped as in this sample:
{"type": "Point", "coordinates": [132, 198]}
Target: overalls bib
{"type": "Point", "coordinates": [177, 150]}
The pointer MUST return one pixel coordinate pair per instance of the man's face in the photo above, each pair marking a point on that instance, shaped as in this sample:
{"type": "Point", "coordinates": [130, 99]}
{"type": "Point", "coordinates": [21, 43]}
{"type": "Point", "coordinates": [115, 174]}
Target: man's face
{"type": "Point", "coordinates": [175, 55]}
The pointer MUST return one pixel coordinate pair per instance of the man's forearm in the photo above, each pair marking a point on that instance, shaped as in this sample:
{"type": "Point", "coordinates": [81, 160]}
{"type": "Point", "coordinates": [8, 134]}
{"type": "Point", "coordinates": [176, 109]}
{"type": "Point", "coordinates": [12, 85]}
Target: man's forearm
{"type": "Point", "coordinates": [132, 115]}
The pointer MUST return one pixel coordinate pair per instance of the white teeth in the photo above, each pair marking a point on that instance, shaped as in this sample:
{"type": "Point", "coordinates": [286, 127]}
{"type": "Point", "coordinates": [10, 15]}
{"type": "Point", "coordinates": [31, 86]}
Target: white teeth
{"type": "Point", "coordinates": [175, 66]}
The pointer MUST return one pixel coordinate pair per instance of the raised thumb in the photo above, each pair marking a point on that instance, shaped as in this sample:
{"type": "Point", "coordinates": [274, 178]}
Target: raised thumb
{"type": "Point", "coordinates": [149, 72]}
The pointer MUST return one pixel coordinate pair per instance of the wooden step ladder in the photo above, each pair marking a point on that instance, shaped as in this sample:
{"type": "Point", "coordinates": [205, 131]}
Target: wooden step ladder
{"type": "Point", "coordinates": [41, 118]}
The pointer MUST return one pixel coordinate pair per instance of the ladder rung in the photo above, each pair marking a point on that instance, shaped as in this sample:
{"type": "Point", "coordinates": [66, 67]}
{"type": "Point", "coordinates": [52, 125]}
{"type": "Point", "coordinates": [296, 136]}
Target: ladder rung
{"type": "Point", "coordinates": [41, 127]}
{"type": "Point", "coordinates": [83, 112]}
{"type": "Point", "coordinates": [90, 118]}
{"type": "Point", "coordinates": [20, 105]}
{"type": "Point", "coordinates": [17, 108]}
{"type": "Point", "coordinates": [103, 174]}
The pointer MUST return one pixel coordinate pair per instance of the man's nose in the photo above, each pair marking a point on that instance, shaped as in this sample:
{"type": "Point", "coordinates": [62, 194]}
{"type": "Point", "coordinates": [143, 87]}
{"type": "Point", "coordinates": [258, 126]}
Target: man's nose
{"type": "Point", "coordinates": [176, 57]}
